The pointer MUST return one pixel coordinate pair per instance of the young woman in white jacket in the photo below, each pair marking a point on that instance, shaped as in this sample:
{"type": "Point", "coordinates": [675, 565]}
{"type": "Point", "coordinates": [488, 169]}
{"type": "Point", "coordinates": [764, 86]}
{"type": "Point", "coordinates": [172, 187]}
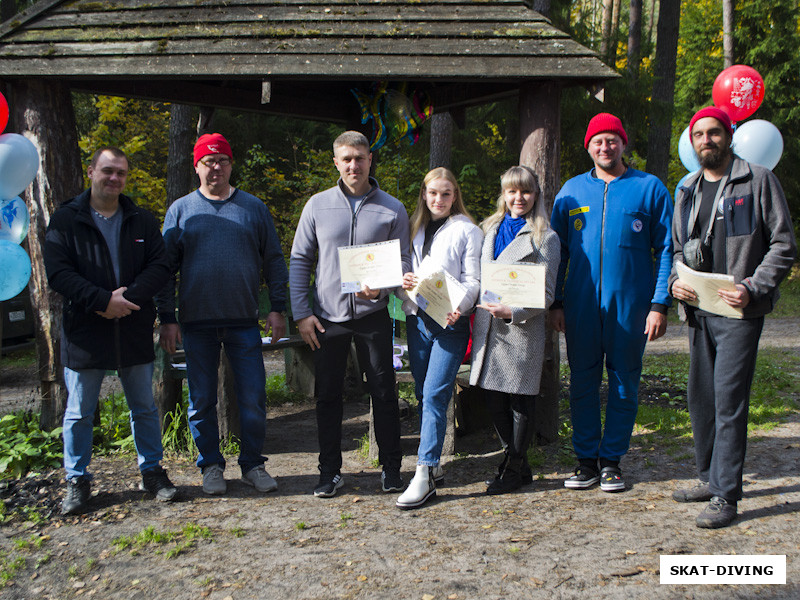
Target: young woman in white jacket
{"type": "Point", "coordinates": [442, 232]}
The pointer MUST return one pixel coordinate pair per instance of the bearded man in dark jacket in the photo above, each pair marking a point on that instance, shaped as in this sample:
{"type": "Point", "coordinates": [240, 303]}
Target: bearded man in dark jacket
{"type": "Point", "coordinates": [106, 257]}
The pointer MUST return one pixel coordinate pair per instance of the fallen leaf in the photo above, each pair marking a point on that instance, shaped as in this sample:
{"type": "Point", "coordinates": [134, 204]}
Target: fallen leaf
{"type": "Point", "coordinates": [356, 499]}
{"type": "Point", "coordinates": [361, 578]}
{"type": "Point", "coordinates": [428, 597]}
{"type": "Point", "coordinates": [629, 552]}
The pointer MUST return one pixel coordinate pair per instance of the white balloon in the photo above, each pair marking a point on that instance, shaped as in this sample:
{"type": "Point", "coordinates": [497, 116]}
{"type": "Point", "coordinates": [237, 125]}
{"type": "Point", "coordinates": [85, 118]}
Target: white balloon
{"type": "Point", "coordinates": [686, 152]}
{"type": "Point", "coordinates": [19, 163]}
{"type": "Point", "coordinates": [758, 141]}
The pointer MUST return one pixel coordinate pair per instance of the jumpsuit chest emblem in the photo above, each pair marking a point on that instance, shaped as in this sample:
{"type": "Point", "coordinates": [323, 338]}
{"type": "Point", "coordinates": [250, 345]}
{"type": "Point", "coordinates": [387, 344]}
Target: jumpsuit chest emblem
{"type": "Point", "coordinates": [637, 225]}
{"type": "Point", "coordinates": [578, 225]}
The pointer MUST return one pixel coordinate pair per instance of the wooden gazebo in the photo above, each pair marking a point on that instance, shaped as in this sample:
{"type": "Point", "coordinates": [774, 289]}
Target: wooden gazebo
{"type": "Point", "coordinates": [292, 57]}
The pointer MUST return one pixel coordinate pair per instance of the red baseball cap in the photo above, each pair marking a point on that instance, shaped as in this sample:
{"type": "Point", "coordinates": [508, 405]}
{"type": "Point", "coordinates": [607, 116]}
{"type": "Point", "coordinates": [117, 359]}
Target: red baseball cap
{"type": "Point", "coordinates": [604, 123]}
{"type": "Point", "coordinates": [211, 143]}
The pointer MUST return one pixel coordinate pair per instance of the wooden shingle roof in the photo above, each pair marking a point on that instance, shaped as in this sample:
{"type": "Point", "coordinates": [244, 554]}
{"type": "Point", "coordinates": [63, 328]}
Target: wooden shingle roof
{"type": "Point", "coordinates": [467, 50]}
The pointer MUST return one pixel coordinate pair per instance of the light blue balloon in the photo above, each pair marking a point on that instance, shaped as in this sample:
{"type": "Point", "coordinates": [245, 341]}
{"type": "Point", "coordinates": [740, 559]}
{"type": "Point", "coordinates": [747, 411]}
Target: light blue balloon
{"type": "Point", "coordinates": [15, 269]}
{"type": "Point", "coordinates": [19, 163]}
{"type": "Point", "coordinates": [686, 152]}
{"type": "Point", "coordinates": [758, 141]}
{"type": "Point", "coordinates": [14, 220]}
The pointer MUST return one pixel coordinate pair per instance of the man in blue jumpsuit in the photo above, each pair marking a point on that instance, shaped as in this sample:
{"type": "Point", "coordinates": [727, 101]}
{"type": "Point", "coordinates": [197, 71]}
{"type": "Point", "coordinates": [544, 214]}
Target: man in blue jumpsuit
{"type": "Point", "coordinates": [614, 223]}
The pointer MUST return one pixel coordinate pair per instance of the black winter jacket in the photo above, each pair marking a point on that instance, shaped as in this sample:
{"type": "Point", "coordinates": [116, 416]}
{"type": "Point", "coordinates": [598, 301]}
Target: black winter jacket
{"type": "Point", "coordinates": [78, 265]}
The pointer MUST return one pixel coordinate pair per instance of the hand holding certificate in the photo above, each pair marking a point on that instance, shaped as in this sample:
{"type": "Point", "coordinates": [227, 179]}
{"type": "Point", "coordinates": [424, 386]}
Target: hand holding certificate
{"type": "Point", "coordinates": [375, 266]}
{"type": "Point", "coordinates": [706, 287]}
{"type": "Point", "coordinates": [437, 292]}
{"type": "Point", "coordinates": [520, 285]}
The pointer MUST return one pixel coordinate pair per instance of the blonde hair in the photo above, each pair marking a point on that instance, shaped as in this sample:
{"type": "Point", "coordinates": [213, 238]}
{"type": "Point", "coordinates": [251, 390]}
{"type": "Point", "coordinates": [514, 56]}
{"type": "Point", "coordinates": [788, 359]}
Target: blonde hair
{"type": "Point", "coordinates": [520, 178]}
{"type": "Point", "coordinates": [422, 214]}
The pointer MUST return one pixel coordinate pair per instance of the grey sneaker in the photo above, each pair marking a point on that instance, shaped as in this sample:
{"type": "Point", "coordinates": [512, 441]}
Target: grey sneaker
{"type": "Point", "coordinates": [76, 500]}
{"type": "Point", "coordinates": [258, 478]}
{"type": "Point", "coordinates": [214, 481]}
{"type": "Point", "coordinates": [718, 513]}
{"type": "Point", "coordinates": [697, 493]}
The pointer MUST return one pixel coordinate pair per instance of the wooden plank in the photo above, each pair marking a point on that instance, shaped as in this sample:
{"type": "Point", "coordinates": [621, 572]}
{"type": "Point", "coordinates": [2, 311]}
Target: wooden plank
{"type": "Point", "coordinates": [323, 67]}
{"type": "Point", "coordinates": [290, 16]}
{"type": "Point", "coordinates": [403, 46]}
{"type": "Point", "coordinates": [92, 5]}
{"type": "Point", "coordinates": [28, 15]}
{"type": "Point", "coordinates": [265, 29]}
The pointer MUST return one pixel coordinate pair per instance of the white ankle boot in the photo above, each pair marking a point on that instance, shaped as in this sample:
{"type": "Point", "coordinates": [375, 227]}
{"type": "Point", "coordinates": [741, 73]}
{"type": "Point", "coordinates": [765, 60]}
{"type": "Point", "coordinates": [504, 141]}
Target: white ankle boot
{"type": "Point", "coordinates": [420, 490]}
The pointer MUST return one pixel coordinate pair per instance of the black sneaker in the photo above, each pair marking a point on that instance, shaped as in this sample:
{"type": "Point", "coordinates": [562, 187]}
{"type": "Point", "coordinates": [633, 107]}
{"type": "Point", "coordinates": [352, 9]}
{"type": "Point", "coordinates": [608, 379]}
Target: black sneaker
{"type": "Point", "coordinates": [584, 477]}
{"type": "Point", "coordinates": [391, 481]}
{"type": "Point", "coordinates": [697, 493]}
{"type": "Point", "coordinates": [76, 500]}
{"type": "Point", "coordinates": [611, 479]}
{"type": "Point", "coordinates": [327, 486]}
{"type": "Point", "coordinates": [157, 483]}
{"type": "Point", "coordinates": [718, 513]}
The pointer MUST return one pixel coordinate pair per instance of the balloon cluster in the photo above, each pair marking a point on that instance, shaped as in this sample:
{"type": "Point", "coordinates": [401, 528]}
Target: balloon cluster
{"type": "Point", "coordinates": [19, 163]}
{"type": "Point", "coordinates": [739, 91]}
{"type": "Point", "coordinates": [394, 114]}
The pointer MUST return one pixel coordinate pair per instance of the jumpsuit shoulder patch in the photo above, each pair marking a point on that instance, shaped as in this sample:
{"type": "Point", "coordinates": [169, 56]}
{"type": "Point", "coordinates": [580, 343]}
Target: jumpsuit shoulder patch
{"type": "Point", "coordinates": [579, 210]}
{"type": "Point", "coordinates": [637, 225]}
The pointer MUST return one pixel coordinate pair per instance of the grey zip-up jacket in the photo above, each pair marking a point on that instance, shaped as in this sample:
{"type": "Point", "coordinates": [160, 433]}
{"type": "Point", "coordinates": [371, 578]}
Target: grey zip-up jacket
{"type": "Point", "coordinates": [327, 223]}
{"type": "Point", "coordinates": [759, 242]}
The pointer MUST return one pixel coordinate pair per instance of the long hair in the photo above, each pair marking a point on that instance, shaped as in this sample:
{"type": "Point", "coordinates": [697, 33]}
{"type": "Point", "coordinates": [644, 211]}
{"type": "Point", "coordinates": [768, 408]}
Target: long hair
{"type": "Point", "coordinates": [520, 178]}
{"type": "Point", "coordinates": [422, 214]}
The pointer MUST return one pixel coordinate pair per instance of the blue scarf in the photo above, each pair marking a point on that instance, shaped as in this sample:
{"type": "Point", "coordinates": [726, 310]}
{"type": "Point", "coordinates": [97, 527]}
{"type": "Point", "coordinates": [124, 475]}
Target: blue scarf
{"type": "Point", "coordinates": [506, 232]}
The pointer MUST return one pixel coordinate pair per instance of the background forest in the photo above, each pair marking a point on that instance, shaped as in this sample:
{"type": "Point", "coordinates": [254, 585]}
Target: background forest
{"type": "Point", "coordinates": [284, 161]}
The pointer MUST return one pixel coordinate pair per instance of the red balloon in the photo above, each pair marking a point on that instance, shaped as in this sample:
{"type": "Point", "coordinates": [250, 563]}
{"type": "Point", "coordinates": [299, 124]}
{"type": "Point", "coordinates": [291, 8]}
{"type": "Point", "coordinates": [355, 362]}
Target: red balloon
{"type": "Point", "coordinates": [3, 113]}
{"type": "Point", "coordinates": [739, 91]}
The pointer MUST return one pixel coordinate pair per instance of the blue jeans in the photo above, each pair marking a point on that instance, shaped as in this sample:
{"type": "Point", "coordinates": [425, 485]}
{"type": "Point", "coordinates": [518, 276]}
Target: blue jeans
{"type": "Point", "coordinates": [243, 348]}
{"type": "Point", "coordinates": [83, 388]}
{"type": "Point", "coordinates": [435, 354]}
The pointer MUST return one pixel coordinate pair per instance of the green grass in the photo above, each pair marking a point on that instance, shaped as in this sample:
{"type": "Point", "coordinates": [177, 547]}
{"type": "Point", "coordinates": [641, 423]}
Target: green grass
{"type": "Point", "coordinates": [789, 302]}
{"type": "Point", "coordinates": [20, 358]}
{"type": "Point", "coordinates": [184, 539]}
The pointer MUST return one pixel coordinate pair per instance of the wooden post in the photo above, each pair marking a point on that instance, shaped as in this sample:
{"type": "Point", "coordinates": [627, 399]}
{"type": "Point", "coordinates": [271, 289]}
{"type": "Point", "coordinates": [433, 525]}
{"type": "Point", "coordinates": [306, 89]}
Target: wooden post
{"type": "Point", "coordinates": [540, 123]}
{"type": "Point", "coordinates": [42, 112]}
{"type": "Point", "coordinates": [441, 140]}
{"type": "Point", "coordinates": [227, 402]}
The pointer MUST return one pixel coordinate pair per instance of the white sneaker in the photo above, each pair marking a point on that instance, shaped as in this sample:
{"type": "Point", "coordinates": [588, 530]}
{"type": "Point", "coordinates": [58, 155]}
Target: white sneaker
{"type": "Point", "coordinates": [214, 480]}
{"type": "Point", "coordinates": [258, 478]}
{"type": "Point", "coordinates": [421, 489]}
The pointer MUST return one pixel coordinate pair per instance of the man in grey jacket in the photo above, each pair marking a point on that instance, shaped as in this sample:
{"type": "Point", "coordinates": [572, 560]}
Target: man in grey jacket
{"type": "Point", "coordinates": [730, 218]}
{"type": "Point", "coordinates": [355, 211]}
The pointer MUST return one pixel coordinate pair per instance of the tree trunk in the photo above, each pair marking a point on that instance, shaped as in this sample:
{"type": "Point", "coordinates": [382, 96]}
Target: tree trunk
{"type": "Point", "coordinates": [205, 120]}
{"type": "Point", "coordinates": [651, 19]}
{"type": "Point", "coordinates": [166, 389]}
{"type": "Point", "coordinates": [728, 18]}
{"type": "Point", "coordinates": [634, 40]}
{"type": "Point", "coordinates": [441, 140]}
{"type": "Point", "coordinates": [605, 29]}
{"type": "Point", "coordinates": [612, 40]}
{"type": "Point", "coordinates": [542, 7]}
{"type": "Point", "coordinates": [540, 125]}
{"type": "Point", "coordinates": [42, 112]}
{"type": "Point", "coordinates": [661, 104]}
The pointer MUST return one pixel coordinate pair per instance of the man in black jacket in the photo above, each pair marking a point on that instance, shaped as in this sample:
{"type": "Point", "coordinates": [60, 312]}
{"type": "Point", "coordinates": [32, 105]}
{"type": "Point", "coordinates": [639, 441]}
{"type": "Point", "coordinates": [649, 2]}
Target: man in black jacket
{"type": "Point", "coordinates": [106, 257]}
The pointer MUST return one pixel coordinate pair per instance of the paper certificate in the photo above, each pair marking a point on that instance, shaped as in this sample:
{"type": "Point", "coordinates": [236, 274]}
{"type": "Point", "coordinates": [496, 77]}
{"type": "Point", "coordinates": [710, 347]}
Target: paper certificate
{"type": "Point", "coordinates": [375, 265]}
{"type": "Point", "coordinates": [437, 292]}
{"type": "Point", "coordinates": [706, 285]}
{"type": "Point", "coordinates": [520, 285]}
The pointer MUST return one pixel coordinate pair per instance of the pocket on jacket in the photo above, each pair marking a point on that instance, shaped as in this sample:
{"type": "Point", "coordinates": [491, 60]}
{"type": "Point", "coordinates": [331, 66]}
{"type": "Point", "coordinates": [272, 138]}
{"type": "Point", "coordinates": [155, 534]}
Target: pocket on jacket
{"type": "Point", "coordinates": [635, 230]}
{"type": "Point", "coordinates": [740, 218]}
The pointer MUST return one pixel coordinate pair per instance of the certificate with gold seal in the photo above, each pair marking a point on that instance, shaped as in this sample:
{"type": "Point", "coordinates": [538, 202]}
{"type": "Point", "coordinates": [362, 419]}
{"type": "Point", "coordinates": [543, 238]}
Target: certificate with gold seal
{"type": "Point", "coordinates": [520, 284]}
{"type": "Point", "coordinates": [437, 292]}
{"type": "Point", "coordinates": [377, 266]}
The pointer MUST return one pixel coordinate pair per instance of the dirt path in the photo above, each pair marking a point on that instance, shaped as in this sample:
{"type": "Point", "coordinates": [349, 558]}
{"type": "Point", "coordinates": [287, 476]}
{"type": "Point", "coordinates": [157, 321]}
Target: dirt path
{"type": "Point", "coordinates": [542, 542]}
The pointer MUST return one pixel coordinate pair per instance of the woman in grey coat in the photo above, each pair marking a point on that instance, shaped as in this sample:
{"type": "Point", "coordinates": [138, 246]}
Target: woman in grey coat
{"type": "Point", "coordinates": [508, 342]}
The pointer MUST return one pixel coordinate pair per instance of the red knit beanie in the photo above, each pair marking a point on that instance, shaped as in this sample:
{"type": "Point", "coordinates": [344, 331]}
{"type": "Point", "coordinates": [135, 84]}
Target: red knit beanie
{"type": "Point", "coordinates": [714, 112]}
{"type": "Point", "coordinates": [211, 143]}
{"type": "Point", "coordinates": [604, 123]}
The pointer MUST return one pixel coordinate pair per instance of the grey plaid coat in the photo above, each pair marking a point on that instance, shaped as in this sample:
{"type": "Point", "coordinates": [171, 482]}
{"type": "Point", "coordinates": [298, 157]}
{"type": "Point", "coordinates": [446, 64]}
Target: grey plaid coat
{"type": "Point", "coordinates": [507, 356]}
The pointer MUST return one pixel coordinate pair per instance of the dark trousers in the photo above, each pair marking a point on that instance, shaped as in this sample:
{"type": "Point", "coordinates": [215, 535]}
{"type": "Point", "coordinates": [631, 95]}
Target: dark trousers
{"type": "Point", "coordinates": [723, 361]}
{"type": "Point", "coordinates": [372, 335]}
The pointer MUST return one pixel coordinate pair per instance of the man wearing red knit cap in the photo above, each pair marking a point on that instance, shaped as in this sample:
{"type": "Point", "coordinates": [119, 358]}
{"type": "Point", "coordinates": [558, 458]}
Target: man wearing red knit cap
{"type": "Point", "coordinates": [731, 218]}
{"type": "Point", "coordinates": [222, 239]}
{"type": "Point", "coordinates": [611, 295]}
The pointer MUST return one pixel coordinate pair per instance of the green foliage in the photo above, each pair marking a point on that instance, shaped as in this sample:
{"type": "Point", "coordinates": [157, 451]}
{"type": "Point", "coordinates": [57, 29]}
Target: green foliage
{"type": "Point", "coordinates": [9, 565]}
{"type": "Point", "coordinates": [114, 432]}
{"type": "Point", "coordinates": [24, 447]}
{"type": "Point", "coordinates": [277, 392]}
{"type": "Point", "coordinates": [184, 539]}
{"type": "Point", "coordinates": [177, 437]}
